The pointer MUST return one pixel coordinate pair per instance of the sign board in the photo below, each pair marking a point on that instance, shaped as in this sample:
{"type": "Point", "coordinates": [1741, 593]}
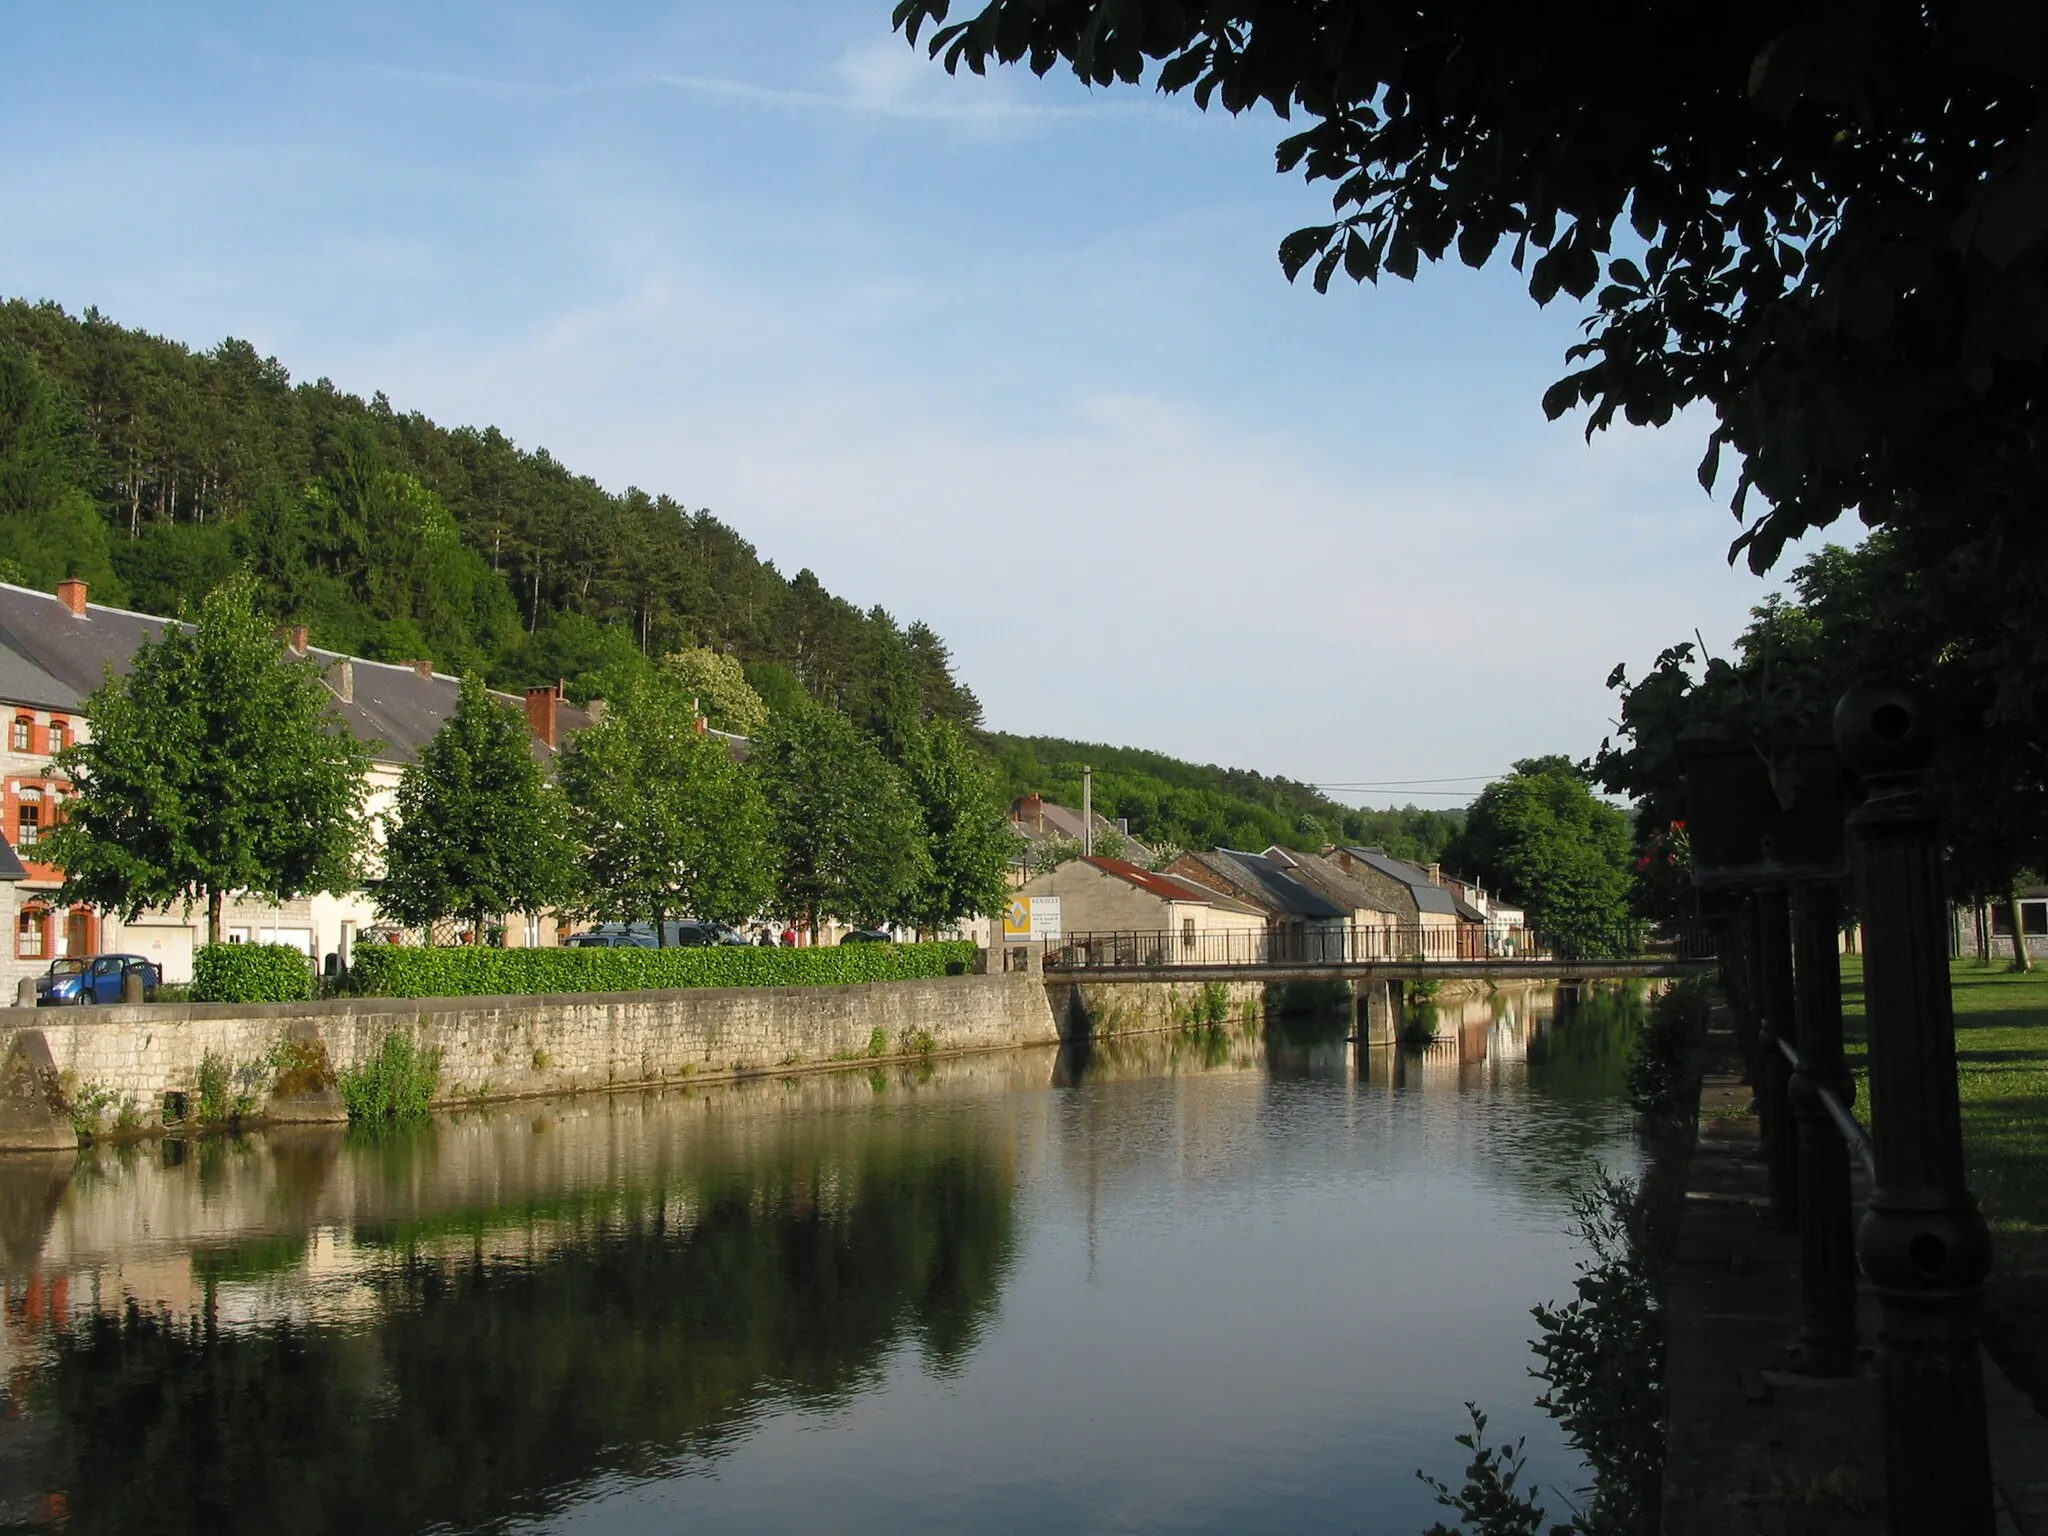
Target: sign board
{"type": "Point", "coordinates": [1031, 920]}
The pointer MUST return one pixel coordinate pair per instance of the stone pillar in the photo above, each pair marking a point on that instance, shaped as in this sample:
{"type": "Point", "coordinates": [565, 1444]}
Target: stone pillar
{"type": "Point", "coordinates": [1827, 1242]}
{"type": "Point", "coordinates": [1922, 1242]}
{"type": "Point", "coordinates": [34, 1115]}
{"type": "Point", "coordinates": [25, 993]}
{"type": "Point", "coordinates": [1379, 1013]}
{"type": "Point", "coordinates": [1775, 996]}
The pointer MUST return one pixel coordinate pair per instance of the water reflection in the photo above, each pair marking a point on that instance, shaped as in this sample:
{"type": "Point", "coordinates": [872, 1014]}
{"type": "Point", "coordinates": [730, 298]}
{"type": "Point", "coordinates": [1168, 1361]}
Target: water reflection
{"type": "Point", "coordinates": [1107, 1259]}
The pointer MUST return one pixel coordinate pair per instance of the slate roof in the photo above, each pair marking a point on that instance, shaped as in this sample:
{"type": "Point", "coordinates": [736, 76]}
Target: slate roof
{"type": "Point", "coordinates": [10, 863]}
{"type": "Point", "coordinates": [1429, 896]}
{"type": "Point", "coordinates": [1273, 887]}
{"type": "Point", "coordinates": [24, 682]}
{"type": "Point", "coordinates": [1170, 886]}
{"type": "Point", "coordinates": [1326, 877]}
{"type": "Point", "coordinates": [395, 709]}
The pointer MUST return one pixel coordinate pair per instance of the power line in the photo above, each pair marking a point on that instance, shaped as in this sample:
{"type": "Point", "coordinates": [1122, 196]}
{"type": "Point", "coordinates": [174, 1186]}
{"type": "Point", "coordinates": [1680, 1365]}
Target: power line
{"type": "Point", "coordinates": [1461, 778]}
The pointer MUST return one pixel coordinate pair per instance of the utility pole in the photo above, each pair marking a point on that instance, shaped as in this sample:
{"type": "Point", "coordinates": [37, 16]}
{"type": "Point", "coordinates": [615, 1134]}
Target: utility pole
{"type": "Point", "coordinates": [1087, 811]}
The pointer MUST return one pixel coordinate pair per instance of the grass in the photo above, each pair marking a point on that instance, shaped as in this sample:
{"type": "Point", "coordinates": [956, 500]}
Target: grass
{"type": "Point", "coordinates": [2002, 1076]}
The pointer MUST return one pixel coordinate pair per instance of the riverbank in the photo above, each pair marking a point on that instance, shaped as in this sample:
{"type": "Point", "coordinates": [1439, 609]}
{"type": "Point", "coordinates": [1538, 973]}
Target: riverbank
{"type": "Point", "coordinates": [1754, 1447]}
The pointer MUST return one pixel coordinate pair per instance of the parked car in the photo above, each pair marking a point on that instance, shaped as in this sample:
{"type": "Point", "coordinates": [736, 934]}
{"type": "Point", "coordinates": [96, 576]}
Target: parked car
{"type": "Point", "coordinates": [700, 934]}
{"type": "Point", "coordinates": [868, 936]}
{"type": "Point", "coordinates": [95, 979]}
{"type": "Point", "coordinates": [685, 934]}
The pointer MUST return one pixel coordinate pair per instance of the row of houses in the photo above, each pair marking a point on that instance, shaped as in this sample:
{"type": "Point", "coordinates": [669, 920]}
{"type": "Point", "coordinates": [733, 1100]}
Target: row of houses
{"type": "Point", "coordinates": [1223, 904]}
{"type": "Point", "coordinates": [55, 649]}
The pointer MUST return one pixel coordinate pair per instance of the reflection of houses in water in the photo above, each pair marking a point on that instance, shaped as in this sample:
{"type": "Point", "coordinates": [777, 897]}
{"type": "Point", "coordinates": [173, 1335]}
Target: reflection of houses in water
{"type": "Point", "coordinates": [1490, 1030]}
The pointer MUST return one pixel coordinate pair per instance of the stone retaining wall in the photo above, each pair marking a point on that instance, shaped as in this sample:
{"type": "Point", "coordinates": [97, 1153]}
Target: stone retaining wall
{"type": "Point", "coordinates": [506, 1047]}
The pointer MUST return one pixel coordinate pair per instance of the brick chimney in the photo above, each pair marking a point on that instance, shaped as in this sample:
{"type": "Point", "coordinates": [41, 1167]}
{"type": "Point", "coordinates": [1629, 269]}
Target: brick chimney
{"type": "Point", "coordinates": [295, 637]}
{"type": "Point", "coordinates": [541, 704]}
{"type": "Point", "coordinates": [1030, 810]}
{"type": "Point", "coordinates": [71, 594]}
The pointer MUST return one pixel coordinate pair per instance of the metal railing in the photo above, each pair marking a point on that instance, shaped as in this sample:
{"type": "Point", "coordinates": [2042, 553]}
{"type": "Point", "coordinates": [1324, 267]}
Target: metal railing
{"type": "Point", "coordinates": [1844, 1117]}
{"type": "Point", "coordinates": [1354, 945]}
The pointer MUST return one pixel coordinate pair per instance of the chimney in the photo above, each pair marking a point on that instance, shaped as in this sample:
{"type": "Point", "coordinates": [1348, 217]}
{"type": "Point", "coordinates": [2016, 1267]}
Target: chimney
{"type": "Point", "coordinates": [71, 594]}
{"type": "Point", "coordinates": [540, 712]}
{"type": "Point", "coordinates": [295, 638]}
{"type": "Point", "coordinates": [344, 680]}
{"type": "Point", "coordinates": [1436, 874]}
{"type": "Point", "coordinates": [424, 667]}
{"type": "Point", "coordinates": [1032, 809]}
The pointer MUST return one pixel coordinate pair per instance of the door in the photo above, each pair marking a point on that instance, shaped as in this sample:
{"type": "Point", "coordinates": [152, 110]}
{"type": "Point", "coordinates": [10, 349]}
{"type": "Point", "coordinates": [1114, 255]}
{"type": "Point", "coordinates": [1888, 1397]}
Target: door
{"type": "Point", "coordinates": [78, 933]}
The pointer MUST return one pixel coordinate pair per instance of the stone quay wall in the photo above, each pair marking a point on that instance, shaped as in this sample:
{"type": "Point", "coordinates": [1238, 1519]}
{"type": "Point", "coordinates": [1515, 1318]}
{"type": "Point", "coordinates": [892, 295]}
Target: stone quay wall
{"type": "Point", "coordinates": [513, 1047]}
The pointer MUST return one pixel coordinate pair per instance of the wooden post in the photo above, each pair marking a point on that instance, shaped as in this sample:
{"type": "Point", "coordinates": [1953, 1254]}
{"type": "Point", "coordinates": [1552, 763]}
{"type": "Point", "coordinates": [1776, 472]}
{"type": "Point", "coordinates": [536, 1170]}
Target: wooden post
{"type": "Point", "coordinates": [1923, 1242]}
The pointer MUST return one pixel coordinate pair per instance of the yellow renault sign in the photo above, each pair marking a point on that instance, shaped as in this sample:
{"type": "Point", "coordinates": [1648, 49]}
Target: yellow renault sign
{"type": "Point", "coordinates": [1031, 919]}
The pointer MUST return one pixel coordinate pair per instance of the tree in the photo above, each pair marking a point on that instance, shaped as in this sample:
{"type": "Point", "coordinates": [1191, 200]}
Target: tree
{"type": "Point", "coordinates": [669, 823]}
{"type": "Point", "coordinates": [1825, 222]}
{"type": "Point", "coordinates": [214, 766]}
{"type": "Point", "coordinates": [719, 685]}
{"type": "Point", "coordinates": [967, 837]}
{"type": "Point", "coordinates": [478, 830]}
{"type": "Point", "coordinates": [1541, 836]}
{"type": "Point", "coordinates": [48, 524]}
{"type": "Point", "coordinates": [852, 841]}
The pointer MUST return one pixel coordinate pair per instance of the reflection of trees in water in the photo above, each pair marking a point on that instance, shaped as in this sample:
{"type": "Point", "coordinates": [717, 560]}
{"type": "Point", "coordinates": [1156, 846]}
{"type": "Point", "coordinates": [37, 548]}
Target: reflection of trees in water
{"type": "Point", "coordinates": [485, 1385]}
{"type": "Point", "coordinates": [1583, 1053]}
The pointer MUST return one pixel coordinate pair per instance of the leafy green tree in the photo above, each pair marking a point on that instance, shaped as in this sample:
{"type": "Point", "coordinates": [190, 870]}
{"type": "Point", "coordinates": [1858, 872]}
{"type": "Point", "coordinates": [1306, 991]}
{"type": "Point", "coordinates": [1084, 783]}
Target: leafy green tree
{"type": "Point", "coordinates": [1047, 854]}
{"type": "Point", "coordinates": [967, 835]}
{"type": "Point", "coordinates": [669, 823]}
{"type": "Point", "coordinates": [1542, 837]}
{"type": "Point", "coordinates": [478, 831]}
{"type": "Point", "coordinates": [214, 766]}
{"type": "Point", "coordinates": [720, 687]}
{"type": "Point", "coordinates": [853, 842]}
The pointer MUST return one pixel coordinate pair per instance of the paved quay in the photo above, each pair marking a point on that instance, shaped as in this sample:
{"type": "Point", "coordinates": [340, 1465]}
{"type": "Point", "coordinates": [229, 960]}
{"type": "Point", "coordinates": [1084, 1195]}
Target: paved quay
{"type": "Point", "coordinates": [1755, 1448]}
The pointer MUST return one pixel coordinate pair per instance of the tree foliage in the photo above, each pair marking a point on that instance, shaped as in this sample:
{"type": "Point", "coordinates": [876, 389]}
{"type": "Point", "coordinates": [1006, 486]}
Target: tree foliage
{"type": "Point", "coordinates": [669, 824]}
{"type": "Point", "coordinates": [478, 831]}
{"type": "Point", "coordinates": [1541, 836]}
{"type": "Point", "coordinates": [720, 688]}
{"type": "Point", "coordinates": [967, 836]}
{"type": "Point", "coordinates": [157, 471]}
{"type": "Point", "coordinates": [213, 767]}
{"type": "Point", "coordinates": [1877, 610]}
{"type": "Point", "coordinates": [853, 846]}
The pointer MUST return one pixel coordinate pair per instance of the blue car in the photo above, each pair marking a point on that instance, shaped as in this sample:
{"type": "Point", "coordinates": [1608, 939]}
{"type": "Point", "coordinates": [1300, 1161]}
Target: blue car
{"type": "Point", "coordinates": [95, 979]}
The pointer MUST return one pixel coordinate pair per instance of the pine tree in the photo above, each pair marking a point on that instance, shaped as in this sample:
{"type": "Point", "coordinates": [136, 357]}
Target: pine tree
{"type": "Point", "coordinates": [479, 830]}
{"type": "Point", "coordinates": [213, 766]}
{"type": "Point", "coordinates": [669, 823]}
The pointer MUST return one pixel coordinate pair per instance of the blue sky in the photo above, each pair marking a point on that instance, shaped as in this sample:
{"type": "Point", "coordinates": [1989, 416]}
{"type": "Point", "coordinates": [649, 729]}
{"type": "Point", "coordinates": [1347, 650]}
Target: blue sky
{"type": "Point", "coordinates": [1005, 355]}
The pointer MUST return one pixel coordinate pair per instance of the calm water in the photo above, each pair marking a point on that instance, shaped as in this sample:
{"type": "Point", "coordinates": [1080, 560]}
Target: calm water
{"type": "Point", "coordinates": [1207, 1283]}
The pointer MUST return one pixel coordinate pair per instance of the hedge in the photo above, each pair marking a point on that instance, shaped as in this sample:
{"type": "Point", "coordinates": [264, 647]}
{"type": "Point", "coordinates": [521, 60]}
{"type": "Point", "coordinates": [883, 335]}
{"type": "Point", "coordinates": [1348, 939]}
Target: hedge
{"type": "Point", "coordinates": [392, 970]}
{"type": "Point", "coordinates": [250, 973]}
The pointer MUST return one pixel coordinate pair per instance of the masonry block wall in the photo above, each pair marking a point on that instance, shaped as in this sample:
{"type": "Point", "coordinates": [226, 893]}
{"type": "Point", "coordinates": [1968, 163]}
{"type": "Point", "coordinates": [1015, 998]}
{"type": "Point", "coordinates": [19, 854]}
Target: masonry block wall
{"type": "Point", "coordinates": [513, 1046]}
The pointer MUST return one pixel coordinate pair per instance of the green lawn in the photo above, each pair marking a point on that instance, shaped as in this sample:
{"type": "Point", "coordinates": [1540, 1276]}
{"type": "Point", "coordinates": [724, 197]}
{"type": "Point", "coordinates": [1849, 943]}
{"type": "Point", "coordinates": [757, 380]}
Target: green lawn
{"type": "Point", "coordinates": [2002, 1071]}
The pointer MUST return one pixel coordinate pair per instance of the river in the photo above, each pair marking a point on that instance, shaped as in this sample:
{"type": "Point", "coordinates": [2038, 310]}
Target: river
{"type": "Point", "coordinates": [1204, 1282]}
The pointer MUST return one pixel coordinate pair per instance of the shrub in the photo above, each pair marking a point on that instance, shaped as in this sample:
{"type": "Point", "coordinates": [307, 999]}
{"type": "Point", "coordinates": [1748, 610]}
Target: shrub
{"type": "Point", "coordinates": [250, 973]}
{"type": "Point", "coordinates": [464, 971]}
{"type": "Point", "coordinates": [1660, 1062]}
{"type": "Point", "coordinates": [397, 1083]}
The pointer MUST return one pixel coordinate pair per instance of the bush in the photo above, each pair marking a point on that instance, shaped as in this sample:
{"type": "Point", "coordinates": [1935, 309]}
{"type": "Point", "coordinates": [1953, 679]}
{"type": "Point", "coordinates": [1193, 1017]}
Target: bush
{"type": "Point", "coordinates": [250, 973]}
{"type": "Point", "coordinates": [390, 970]}
{"type": "Point", "coordinates": [1660, 1070]}
{"type": "Point", "coordinates": [397, 1083]}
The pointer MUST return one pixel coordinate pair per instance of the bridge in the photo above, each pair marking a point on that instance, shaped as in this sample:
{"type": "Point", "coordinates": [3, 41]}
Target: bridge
{"type": "Point", "coordinates": [1380, 954]}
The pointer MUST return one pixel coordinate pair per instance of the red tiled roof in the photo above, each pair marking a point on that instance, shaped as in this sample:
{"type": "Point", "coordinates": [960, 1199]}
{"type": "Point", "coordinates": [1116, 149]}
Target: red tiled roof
{"type": "Point", "coordinates": [1171, 887]}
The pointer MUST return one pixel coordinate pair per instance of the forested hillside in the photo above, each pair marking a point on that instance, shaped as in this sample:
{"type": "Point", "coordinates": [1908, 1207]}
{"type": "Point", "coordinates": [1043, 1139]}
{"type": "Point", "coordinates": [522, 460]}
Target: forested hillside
{"type": "Point", "coordinates": [1203, 806]}
{"type": "Point", "coordinates": [153, 470]}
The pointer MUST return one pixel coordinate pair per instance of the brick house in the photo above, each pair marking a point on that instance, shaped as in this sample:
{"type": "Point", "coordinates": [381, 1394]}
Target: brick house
{"type": "Point", "coordinates": [56, 649]}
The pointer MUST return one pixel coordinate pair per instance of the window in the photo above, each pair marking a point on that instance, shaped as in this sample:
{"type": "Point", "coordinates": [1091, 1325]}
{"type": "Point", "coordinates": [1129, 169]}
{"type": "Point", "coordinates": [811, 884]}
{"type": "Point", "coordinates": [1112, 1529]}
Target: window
{"type": "Point", "coordinates": [28, 818]}
{"type": "Point", "coordinates": [24, 733]}
{"type": "Point", "coordinates": [2034, 914]}
{"type": "Point", "coordinates": [60, 736]}
{"type": "Point", "coordinates": [29, 934]}
{"type": "Point", "coordinates": [1187, 934]}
